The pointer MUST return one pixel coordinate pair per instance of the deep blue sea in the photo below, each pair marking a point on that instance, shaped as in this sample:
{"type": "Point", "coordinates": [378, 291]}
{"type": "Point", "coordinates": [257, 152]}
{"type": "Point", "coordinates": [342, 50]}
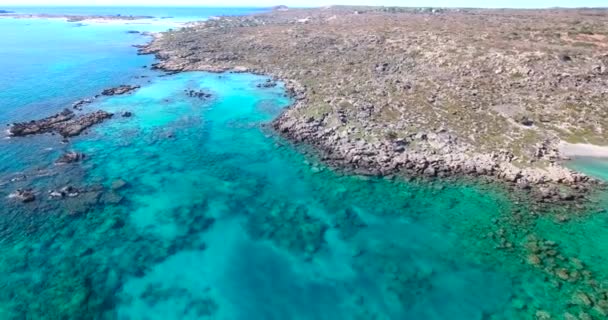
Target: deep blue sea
{"type": "Point", "coordinates": [194, 209]}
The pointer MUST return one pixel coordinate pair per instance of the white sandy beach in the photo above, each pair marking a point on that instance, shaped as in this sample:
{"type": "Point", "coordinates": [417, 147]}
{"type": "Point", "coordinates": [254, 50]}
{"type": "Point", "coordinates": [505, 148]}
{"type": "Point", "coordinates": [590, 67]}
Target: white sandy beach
{"type": "Point", "coordinates": [582, 150]}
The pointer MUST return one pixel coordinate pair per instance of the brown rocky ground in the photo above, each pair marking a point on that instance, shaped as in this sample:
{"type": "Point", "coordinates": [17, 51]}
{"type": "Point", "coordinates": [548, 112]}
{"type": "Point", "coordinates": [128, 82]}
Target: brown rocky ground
{"type": "Point", "coordinates": [425, 92]}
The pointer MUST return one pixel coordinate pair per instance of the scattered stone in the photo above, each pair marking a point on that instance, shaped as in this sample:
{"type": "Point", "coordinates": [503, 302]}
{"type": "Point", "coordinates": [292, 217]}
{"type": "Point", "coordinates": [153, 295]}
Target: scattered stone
{"type": "Point", "coordinates": [127, 114]}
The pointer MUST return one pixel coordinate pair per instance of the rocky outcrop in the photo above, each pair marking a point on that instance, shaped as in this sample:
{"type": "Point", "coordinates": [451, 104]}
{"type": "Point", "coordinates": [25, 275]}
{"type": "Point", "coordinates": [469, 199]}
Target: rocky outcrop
{"type": "Point", "coordinates": [124, 89]}
{"type": "Point", "coordinates": [65, 123]}
{"type": "Point", "coordinates": [67, 191]}
{"type": "Point", "coordinates": [23, 195]}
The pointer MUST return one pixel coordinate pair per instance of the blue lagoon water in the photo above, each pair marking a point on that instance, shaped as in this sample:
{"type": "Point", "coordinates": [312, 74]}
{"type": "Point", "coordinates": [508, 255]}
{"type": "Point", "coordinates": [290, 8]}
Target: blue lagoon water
{"type": "Point", "coordinates": [195, 209]}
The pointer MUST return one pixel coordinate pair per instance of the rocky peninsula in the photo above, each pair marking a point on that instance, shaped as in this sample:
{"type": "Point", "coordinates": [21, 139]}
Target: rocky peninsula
{"type": "Point", "coordinates": [425, 92]}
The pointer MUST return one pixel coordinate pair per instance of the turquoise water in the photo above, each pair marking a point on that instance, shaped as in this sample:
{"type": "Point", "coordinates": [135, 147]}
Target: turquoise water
{"type": "Point", "coordinates": [194, 209]}
{"type": "Point", "coordinates": [592, 166]}
{"type": "Point", "coordinates": [165, 13]}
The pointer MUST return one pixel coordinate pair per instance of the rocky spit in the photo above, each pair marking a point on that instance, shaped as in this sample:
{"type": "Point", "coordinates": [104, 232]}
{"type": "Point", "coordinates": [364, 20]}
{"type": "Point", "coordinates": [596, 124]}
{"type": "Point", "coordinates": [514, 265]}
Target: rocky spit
{"type": "Point", "coordinates": [432, 93]}
{"type": "Point", "coordinates": [124, 89]}
{"type": "Point", "coordinates": [69, 124]}
{"type": "Point", "coordinates": [66, 123]}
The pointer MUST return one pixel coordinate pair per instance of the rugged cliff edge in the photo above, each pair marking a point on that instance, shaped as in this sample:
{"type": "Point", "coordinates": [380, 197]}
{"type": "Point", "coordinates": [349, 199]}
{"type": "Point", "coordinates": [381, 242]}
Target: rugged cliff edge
{"type": "Point", "coordinates": [488, 93]}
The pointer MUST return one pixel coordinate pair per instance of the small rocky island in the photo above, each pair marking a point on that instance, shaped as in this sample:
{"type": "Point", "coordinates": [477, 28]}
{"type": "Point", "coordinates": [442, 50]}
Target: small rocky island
{"type": "Point", "coordinates": [424, 92]}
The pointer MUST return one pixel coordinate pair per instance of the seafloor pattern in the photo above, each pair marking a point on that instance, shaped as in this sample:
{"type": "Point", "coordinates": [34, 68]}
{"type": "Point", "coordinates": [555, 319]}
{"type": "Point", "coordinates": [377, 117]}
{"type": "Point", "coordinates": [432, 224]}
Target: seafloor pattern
{"type": "Point", "coordinates": [192, 209]}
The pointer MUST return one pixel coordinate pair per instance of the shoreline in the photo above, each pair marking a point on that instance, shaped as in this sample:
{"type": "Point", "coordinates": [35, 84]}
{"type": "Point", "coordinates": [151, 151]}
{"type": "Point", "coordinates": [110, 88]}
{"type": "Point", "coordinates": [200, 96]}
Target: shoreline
{"type": "Point", "coordinates": [587, 150]}
{"type": "Point", "coordinates": [432, 153]}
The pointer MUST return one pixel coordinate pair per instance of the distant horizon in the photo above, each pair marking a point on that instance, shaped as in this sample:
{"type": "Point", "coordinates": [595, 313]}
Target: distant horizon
{"type": "Point", "coordinates": [270, 6]}
{"type": "Point", "coordinates": [478, 4]}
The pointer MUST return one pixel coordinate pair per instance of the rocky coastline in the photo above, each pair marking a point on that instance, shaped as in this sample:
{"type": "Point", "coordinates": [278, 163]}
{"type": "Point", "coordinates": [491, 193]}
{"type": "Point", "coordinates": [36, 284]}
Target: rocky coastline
{"type": "Point", "coordinates": [387, 100]}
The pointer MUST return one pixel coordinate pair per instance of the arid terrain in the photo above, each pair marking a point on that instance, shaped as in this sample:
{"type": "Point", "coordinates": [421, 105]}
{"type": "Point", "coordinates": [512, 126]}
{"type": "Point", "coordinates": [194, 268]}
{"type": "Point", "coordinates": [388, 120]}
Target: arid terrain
{"type": "Point", "coordinates": [428, 92]}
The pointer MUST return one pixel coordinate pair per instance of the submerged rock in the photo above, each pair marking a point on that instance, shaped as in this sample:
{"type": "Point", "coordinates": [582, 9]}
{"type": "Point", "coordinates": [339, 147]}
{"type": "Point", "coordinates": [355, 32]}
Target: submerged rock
{"type": "Point", "coordinates": [127, 114]}
{"type": "Point", "coordinates": [80, 103]}
{"type": "Point", "coordinates": [118, 184]}
{"type": "Point", "coordinates": [201, 94]}
{"type": "Point", "coordinates": [119, 90]}
{"type": "Point", "coordinates": [70, 157]}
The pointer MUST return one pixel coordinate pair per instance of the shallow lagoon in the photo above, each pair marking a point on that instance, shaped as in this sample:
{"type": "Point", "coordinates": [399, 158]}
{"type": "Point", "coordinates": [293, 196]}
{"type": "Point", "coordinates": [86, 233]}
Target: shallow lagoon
{"type": "Point", "coordinates": [216, 217]}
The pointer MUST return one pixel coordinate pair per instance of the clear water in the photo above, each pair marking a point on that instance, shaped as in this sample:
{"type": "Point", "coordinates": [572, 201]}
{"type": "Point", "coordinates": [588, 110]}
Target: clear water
{"type": "Point", "coordinates": [222, 219]}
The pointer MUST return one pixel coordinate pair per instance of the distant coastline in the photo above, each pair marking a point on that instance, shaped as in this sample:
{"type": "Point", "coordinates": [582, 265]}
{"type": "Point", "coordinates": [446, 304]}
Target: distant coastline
{"type": "Point", "coordinates": [74, 18]}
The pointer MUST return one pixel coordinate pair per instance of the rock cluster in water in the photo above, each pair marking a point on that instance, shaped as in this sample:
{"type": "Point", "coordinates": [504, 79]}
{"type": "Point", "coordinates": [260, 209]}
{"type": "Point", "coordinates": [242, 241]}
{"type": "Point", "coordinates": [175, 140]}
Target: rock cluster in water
{"type": "Point", "coordinates": [201, 94]}
{"type": "Point", "coordinates": [269, 83]}
{"type": "Point", "coordinates": [65, 123]}
{"type": "Point", "coordinates": [119, 90]}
